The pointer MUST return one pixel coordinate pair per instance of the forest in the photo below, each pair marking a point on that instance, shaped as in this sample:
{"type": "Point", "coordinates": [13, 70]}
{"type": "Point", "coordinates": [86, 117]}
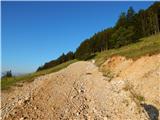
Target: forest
{"type": "Point", "coordinates": [129, 28]}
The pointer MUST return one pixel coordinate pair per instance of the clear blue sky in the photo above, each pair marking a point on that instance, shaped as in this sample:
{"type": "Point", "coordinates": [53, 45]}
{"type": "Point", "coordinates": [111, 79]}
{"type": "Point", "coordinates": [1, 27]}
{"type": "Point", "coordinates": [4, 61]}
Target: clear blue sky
{"type": "Point", "coordinates": [36, 32]}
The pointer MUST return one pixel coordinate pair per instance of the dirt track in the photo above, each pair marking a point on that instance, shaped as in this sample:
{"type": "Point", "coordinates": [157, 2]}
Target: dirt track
{"type": "Point", "coordinates": [78, 92]}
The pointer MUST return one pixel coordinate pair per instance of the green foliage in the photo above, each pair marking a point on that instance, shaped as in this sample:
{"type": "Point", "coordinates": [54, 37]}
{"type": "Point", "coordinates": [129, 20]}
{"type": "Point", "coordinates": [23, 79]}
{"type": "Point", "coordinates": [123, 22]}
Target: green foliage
{"type": "Point", "coordinates": [121, 21]}
{"type": "Point", "coordinates": [84, 50]}
{"type": "Point", "coordinates": [92, 56]}
{"type": "Point", "coordinates": [140, 98]}
{"type": "Point", "coordinates": [122, 36]}
{"type": "Point", "coordinates": [130, 16]}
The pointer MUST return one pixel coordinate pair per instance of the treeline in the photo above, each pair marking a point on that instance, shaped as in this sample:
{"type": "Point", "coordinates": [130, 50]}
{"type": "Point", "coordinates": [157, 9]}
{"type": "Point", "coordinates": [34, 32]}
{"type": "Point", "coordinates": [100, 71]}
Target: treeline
{"type": "Point", "coordinates": [7, 74]}
{"type": "Point", "coordinates": [128, 29]}
{"type": "Point", "coordinates": [63, 58]}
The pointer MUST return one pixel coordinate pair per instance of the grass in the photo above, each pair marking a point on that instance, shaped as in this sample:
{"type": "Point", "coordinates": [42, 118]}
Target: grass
{"type": "Point", "coordinates": [140, 98]}
{"type": "Point", "coordinates": [109, 74]}
{"type": "Point", "coordinates": [137, 98]}
{"type": "Point", "coordinates": [8, 82]}
{"type": "Point", "coordinates": [149, 45]}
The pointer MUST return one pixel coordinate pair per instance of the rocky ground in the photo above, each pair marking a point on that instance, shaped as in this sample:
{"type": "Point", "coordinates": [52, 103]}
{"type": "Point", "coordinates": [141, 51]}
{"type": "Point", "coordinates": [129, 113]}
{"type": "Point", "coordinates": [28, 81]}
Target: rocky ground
{"type": "Point", "coordinates": [82, 92]}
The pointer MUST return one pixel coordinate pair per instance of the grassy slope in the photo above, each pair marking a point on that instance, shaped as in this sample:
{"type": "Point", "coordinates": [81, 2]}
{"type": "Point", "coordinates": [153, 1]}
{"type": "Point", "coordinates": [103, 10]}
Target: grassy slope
{"type": "Point", "coordinates": [149, 45]}
{"type": "Point", "coordinates": [7, 82]}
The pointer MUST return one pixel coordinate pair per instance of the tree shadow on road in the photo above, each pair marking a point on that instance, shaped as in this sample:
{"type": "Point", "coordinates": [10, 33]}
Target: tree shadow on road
{"type": "Point", "coordinates": [152, 111]}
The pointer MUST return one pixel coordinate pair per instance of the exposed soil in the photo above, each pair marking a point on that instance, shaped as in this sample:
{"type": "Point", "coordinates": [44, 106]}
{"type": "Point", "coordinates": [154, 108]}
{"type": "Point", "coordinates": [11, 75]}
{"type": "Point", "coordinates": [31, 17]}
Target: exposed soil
{"type": "Point", "coordinates": [82, 92]}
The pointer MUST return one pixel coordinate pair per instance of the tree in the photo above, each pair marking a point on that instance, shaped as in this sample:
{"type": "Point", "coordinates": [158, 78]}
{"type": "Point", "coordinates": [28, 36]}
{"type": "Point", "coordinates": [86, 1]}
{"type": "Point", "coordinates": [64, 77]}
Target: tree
{"type": "Point", "coordinates": [121, 21]}
{"type": "Point", "coordinates": [70, 56]}
{"type": "Point", "coordinates": [149, 19]}
{"type": "Point", "coordinates": [8, 74]}
{"type": "Point", "coordinates": [154, 12]}
{"type": "Point", "coordinates": [84, 50]}
{"type": "Point", "coordinates": [122, 36]}
{"type": "Point", "coordinates": [108, 33]}
{"type": "Point", "coordinates": [130, 15]}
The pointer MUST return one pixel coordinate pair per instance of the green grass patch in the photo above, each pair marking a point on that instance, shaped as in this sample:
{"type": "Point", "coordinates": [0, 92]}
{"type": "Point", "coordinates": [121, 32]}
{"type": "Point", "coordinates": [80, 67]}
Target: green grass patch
{"type": "Point", "coordinates": [149, 45]}
{"type": "Point", "coordinates": [8, 82]}
{"type": "Point", "coordinates": [140, 98]}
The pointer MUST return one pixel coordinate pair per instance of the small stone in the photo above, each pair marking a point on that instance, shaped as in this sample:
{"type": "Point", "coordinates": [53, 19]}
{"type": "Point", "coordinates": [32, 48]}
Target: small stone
{"type": "Point", "coordinates": [21, 118]}
{"type": "Point", "coordinates": [20, 102]}
{"type": "Point", "coordinates": [105, 118]}
{"type": "Point", "coordinates": [77, 113]}
{"type": "Point", "coordinates": [82, 91]}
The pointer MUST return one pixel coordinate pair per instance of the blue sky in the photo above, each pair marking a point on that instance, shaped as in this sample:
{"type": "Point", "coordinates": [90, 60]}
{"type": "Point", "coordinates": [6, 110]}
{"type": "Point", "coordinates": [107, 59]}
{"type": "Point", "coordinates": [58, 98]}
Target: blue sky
{"type": "Point", "coordinates": [36, 32]}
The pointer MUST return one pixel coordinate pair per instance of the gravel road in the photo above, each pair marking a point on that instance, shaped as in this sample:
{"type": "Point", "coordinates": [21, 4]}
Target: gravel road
{"type": "Point", "coordinates": [78, 92]}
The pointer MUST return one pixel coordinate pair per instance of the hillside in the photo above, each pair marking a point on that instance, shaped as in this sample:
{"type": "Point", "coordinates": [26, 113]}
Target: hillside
{"type": "Point", "coordinates": [129, 28]}
{"type": "Point", "coordinates": [124, 79]}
